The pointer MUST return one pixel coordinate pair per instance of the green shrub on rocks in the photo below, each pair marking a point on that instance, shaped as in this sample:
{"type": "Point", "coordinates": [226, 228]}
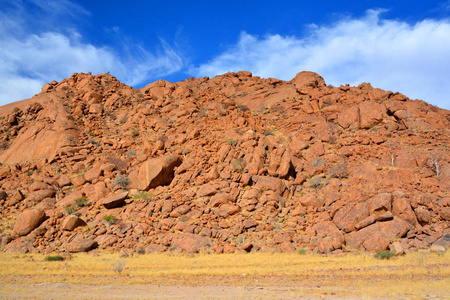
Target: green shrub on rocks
{"type": "Point", "coordinates": [54, 258]}
{"type": "Point", "coordinates": [386, 254]}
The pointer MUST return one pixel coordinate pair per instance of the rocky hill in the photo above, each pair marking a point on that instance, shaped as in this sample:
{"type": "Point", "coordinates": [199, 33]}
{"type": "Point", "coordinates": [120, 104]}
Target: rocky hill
{"type": "Point", "coordinates": [231, 163]}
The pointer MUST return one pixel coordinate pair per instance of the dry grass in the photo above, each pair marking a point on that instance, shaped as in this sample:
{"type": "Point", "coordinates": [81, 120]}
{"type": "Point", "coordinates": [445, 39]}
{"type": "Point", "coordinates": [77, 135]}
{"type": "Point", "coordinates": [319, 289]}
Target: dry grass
{"type": "Point", "coordinates": [417, 274]}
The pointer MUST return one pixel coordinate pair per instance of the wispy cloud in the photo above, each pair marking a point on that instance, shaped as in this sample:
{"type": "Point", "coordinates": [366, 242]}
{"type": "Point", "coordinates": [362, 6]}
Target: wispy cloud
{"type": "Point", "coordinates": [393, 55]}
{"type": "Point", "coordinates": [32, 52]}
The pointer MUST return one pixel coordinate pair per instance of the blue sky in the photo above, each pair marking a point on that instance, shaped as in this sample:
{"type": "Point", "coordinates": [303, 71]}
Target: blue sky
{"type": "Point", "coordinates": [401, 45]}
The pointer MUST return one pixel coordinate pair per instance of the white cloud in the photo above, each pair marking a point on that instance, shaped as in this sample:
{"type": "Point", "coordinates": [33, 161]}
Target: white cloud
{"type": "Point", "coordinates": [393, 55]}
{"type": "Point", "coordinates": [30, 58]}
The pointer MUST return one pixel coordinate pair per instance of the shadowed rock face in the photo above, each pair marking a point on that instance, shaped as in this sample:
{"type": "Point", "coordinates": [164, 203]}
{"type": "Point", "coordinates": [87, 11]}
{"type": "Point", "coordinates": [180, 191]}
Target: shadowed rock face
{"type": "Point", "coordinates": [231, 163]}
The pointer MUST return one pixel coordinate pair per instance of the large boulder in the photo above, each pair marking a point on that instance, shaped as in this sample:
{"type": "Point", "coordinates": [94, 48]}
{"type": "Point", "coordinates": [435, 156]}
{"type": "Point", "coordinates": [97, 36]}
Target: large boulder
{"type": "Point", "coordinates": [71, 222]}
{"type": "Point", "coordinates": [21, 245]}
{"type": "Point", "coordinates": [157, 171]}
{"type": "Point", "coordinates": [115, 200]}
{"type": "Point", "coordinates": [107, 240]}
{"type": "Point", "coordinates": [28, 220]}
{"type": "Point", "coordinates": [378, 236]}
{"type": "Point", "coordinates": [307, 79]}
{"type": "Point", "coordinates": [267, 183]}
{"type": "Point", "coordinates": [371, 114]}
{"type": "Point", "coordinates": [348, 216]}
{"type": "Point", "coordinates": [329, 237]}
{"type": "Point", "coordinates": [81, 244]}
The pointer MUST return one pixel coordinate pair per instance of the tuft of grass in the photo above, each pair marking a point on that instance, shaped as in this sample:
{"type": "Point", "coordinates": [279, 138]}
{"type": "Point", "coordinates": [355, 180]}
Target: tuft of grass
{"type": "Point", "coordinates": [54, 258]}
{"type": "Point", "coordinates": [232, 142]}
{"type": "Point", "coordinates": [144, 196]}
{"type": "Point", "coordinates": [110, 219]}
{"type": "Point", "coordinates": [135, 133]}
{"type": "Point", "coordinates": [7, 224]}
{"type": "Point", "coordinates": [238, 165]}
{"type": "Point", "coordinates": [302, 251]}
{"type": "Point", "coordinates": [80, 202]}
{"type": "Point", "coordinates": [70, 209]}
{"type": "Point", "coordinates": [386, 254]}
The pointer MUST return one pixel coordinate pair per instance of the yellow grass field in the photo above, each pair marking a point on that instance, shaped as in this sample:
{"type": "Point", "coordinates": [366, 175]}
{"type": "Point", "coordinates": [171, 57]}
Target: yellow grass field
{"type": "Point", "coordinates": [416, 275]}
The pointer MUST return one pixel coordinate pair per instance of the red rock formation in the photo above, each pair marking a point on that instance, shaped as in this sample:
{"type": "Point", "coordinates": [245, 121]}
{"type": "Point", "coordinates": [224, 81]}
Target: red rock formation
{"type": "Point", "coordinates": [231, 163]}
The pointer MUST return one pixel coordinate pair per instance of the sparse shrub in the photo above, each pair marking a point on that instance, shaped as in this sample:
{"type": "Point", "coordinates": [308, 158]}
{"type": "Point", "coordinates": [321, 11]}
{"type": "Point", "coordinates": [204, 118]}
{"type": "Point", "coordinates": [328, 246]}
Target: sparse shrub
{"type": "Point", "coordinates": [4, 145]}
{"type": "Point", "coordinates": [244, 94]}
{"type": "Point", "coordinates": [302, 251]}
{"type": "Point", "coordinates": [144, 196]}
{"type": "Point", "coordinates": [135, 132]}
{"type": "Point", "coordinates": [271, 131]}
{"type": "Point", "coordinates": [54, 258]}
{"type": "Point", "coordinates": [90, 133]}
{"type": "Point", "coordinates": [240, 240]}
{"type": "Point", "coordinates": [316, 161]}
{"type": "Point", "coordinates": [120, 265]}
{"type": "Point", "coordinates": [121, 180]}
{"type": "Point", "coordinates": [30, 172]}
{"type": "Point", "coordinates": [315, 182]}
{"type": "Point", "coordinates": [110, 219]}
{"type": "Point", "coordinates": [110, 114]}
{"type": "Point", "coordinates": [131, 152]}
{"type": "Point", "coordinates": [202, 112]}
{"type": "Point", "coordinates": [71, 209]}
{"type": "Point", "coordinates": [232, 142]}
{"type": "Point", "coordinates": [80, 202]}
{"type": "Point", "coordinates": [386, 254]}
{"type": "Point", "coordinates": [238, 165]}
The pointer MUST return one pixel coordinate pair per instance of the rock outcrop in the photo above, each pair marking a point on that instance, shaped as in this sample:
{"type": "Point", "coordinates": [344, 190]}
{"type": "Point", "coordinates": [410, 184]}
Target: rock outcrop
{"type": "Point", "coordinates": [223, 164]}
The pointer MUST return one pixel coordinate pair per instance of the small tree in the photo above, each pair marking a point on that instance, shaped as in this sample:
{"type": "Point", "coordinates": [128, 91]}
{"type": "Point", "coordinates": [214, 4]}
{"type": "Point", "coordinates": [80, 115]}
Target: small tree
{"type": "Point", "coordinates": [436, 161]}
{"type": "Point", "coordinates": [391, 151]}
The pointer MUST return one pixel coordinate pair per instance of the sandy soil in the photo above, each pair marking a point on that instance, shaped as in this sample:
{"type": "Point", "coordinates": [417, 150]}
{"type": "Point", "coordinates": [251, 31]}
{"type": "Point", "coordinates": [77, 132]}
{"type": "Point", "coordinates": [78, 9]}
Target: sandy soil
{"type": "Point", "coordinates": [78, 291]}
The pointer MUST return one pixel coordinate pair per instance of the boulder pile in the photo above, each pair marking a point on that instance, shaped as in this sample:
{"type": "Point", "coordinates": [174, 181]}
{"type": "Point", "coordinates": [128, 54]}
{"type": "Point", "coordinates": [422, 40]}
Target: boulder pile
{"type": "Point", "coordinates": [224, 164]}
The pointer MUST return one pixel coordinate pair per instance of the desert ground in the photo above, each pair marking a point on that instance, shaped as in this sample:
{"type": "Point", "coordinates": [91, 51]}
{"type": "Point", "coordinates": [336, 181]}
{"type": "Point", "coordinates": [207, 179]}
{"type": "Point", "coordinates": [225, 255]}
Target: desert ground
{"type": "Point", "coordinates": [102, 275]}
